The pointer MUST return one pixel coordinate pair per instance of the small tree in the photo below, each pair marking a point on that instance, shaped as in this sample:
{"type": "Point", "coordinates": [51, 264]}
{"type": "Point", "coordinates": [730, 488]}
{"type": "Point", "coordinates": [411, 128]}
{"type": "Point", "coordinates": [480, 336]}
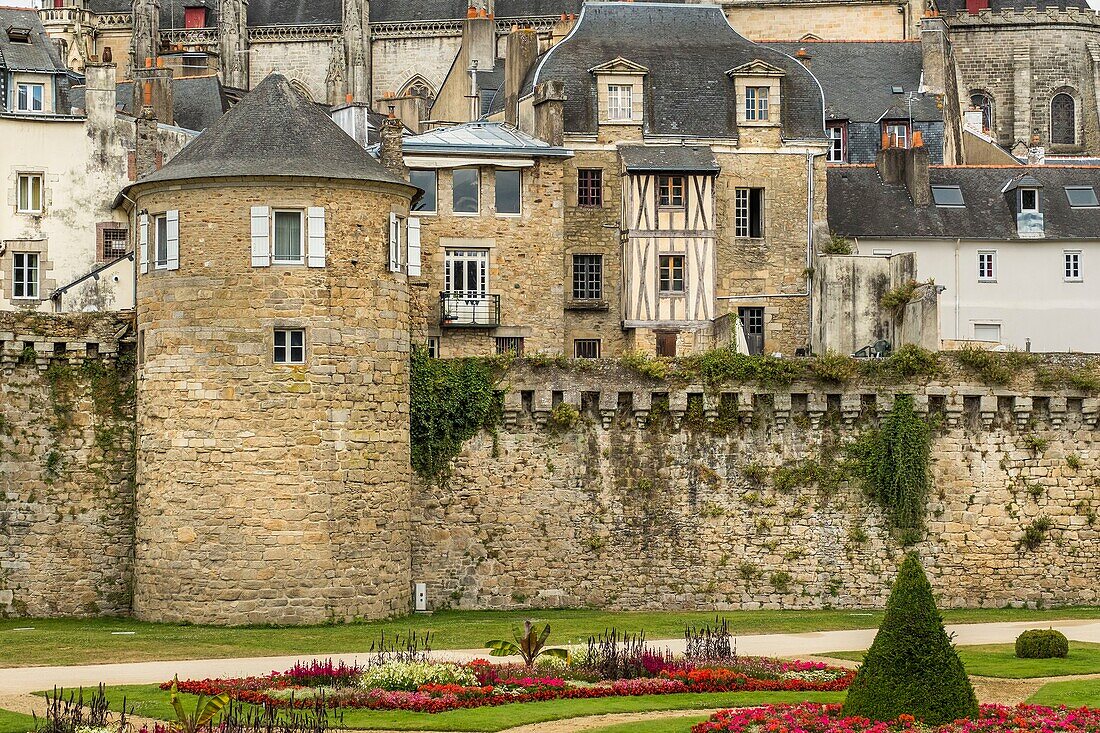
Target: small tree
{"type": "Point", "coordinates": [912, 667]}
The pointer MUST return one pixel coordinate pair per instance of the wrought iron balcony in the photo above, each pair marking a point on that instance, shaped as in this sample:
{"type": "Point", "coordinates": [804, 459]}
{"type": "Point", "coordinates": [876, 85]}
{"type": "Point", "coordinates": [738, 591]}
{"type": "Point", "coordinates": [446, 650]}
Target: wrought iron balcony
{"type": "Point", "coordinates": [469, 310]}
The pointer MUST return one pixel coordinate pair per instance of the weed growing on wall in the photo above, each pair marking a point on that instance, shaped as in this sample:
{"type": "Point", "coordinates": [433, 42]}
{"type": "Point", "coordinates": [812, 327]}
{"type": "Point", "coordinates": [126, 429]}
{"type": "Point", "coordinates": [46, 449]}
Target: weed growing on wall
{"type": "Point", "coordinates": [451, 400]}
{"type": "Point", "coordinates": [1035, 534]}
{"type": "Point", "coordinates": [997, 368]}
{"type": "Point", "coordinates": [892, 464]}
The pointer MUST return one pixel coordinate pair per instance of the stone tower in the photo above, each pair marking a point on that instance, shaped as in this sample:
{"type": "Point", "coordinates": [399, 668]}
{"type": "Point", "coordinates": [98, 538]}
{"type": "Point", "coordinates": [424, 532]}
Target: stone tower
{"type": "Point", "coordinates": [357, 44]}
{"type": "Point", "coordinates": [273, 419]}
{"type": "Point", "coordinates": [233, 42]}
{"type": "Point", "coordinates": [145, 39]}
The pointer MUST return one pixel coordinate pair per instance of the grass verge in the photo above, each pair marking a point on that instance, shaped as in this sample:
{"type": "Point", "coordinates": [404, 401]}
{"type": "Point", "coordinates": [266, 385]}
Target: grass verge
{"type": "Point", "coordinates": [1073, 693]}
{"type": "Point", "coordinates": [151, 701]}
{"type": "Point", "coordinates": [999, 660]}
{"type": "Point", "coordinates": [659, 725]}
{"type": "Point", "coordinates": [15, 722]}
{"type": "Point", "coordinates": [104, 641]}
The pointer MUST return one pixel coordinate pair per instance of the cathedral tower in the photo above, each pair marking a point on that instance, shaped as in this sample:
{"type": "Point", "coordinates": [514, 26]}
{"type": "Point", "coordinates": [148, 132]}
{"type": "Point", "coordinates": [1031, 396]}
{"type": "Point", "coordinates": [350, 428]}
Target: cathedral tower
{"type": "Point", "coordinates": [357, 45]}
{"type": "Point", "coordinates": [145, 40]}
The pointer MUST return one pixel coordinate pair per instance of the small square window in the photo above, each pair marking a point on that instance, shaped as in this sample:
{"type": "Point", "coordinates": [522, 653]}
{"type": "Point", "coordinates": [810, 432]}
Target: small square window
{"type": "Point", "coordinates": [756, 104]}
{"type": "Point", "coordinates": [987, 267]}
{"type": "Point", "coordinates": [948, 196]}
{"type": "Point", "coordinates": [508, 191]}
{"type": "Point", "coordinates": [466, 190]}
{"type": "Point", "coordinates": [587, 277]}
{"type": "Point", "coordinates": [114, 244]}
{"type": "Point", "coordinates": [30, 193]}
{"type": "Point", "coordinates": [510, 345]}
{"type": "Point", "coordinates": [25, 266]}
{"type": "Point", "coordinates": [1072, 270]}
{"type": "Point", "coordinates": [428, 181]}
{"type": "Point", "coordinates": [671, 190]}
{"type": "Point", "coordinates": [586, 348]}
{"type": "Point", "coordinates": [620, 102]}
{"type": "Point", "coordinates": [671, 274]}
{"type": "Point", "coordinates": [290, 346]}
{"type": "Point", "coordinates": [288, 249]}
{"type": "Point", "coordinates": [1082, 197]}
{"type": "Point", "coordinates": [590, 187]}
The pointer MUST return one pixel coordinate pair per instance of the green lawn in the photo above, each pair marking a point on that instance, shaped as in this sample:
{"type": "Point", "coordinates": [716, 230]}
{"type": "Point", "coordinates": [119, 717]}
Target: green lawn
{"type": "Point", "coordinates": [15, 722]}
{"type": "Point", "coordinates": [1074, 693]}
{"type": "Point", "coordinates": [999, 660]}
{"type": "Point", "coordinates": [102, 641]}
{"type": "Point", "coordinates": [661, 725]}
{"type": "Point", "coordinates": [151, 701]}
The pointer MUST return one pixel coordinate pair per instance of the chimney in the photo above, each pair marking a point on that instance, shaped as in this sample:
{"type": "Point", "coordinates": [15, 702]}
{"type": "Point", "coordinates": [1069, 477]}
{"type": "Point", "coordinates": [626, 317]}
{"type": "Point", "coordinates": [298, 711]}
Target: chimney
{"type": "Point", "coordinates": [803, 57]}
{"type": "Point", "coordinates": [562, 27]}
{"type": "Point", "coordinates": [523, 49]}
{"type": "Point", "coordinates": [935, 53]}
{"type": "Point", "coordinates": [917, 179]}
{"type": "Point", "coordinates": [479, 36]}
{"type": "Point", "coordinates": [1036, 153]}
{"type": "Point", "coordinates": [391, 151]}
{"type": "Point", "coordinates": [153, 88]}
{"type": "Point", "coordinates": [550, 112]}
{"type": "Point", "coordinates": [99, 95]}
{"type": "Point", "coordinates": [147, 155]}
{"type": "Point", "coordinates": [890, 163]}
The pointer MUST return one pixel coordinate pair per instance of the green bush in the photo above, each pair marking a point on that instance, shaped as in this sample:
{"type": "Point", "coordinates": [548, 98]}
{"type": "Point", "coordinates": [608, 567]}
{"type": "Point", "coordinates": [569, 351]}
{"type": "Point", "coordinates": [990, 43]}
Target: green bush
{"type": "Point", "coordinates": [1042, 644]}
{"type": "Point", "coordinates": [912, 667]}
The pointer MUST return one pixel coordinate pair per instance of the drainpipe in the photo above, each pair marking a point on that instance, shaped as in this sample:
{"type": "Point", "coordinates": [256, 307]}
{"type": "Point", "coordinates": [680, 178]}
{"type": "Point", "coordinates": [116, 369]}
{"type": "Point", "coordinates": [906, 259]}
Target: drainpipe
{"type": "Point", "coordinates": [957, 243]}
{"type": "Point", "coordinates": [809, 248]}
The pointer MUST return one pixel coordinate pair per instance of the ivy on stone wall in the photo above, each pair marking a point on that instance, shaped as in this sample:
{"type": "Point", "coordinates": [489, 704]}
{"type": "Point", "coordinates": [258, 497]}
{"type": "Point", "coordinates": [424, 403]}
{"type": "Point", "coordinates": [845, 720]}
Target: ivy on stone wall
{"type": "Point", "coordinates": [892, 463]}
{"type": "Point", "coordinates": [451, 400]}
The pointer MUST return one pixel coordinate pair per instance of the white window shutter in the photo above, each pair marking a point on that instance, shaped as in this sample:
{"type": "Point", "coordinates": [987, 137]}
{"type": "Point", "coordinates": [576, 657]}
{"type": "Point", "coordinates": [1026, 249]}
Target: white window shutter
{"type": "Point", "coordinates": [413, 239]}
{"type": "Point", "coordinates": [261, 236]}
{"type": "Point", "coordinates": [316, 236]}
{"type": "Point", "coordinates": [173, 243]}
{"type": "Point", "coordinates": [395, 244]}
{"type": "Point", "coordinates": [143, 240]}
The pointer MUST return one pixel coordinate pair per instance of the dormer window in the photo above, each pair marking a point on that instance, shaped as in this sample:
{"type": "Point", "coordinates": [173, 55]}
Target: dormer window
{"type": "Point", "coordinates": [19, 34]}
{"type": "Point", "coordinates": [757, 85]}
{"type": "Point", "coordinates": [620, 84]}
{"type": "Point", "coordinates": [1029, 200]}
{"type": "Point", "coordinates": [30, 97]}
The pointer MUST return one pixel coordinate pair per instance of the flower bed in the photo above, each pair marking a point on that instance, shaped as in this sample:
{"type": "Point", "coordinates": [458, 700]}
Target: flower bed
{"type": "Point", "coordinates": [434, 688]}
{"type": "Point", "coordinates": [813, 718]}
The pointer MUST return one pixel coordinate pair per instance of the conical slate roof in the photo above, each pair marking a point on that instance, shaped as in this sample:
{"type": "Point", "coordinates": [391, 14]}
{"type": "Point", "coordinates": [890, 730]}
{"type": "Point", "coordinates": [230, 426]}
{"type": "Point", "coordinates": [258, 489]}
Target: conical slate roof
{"type": "Point", "coordinates": [274, 131]}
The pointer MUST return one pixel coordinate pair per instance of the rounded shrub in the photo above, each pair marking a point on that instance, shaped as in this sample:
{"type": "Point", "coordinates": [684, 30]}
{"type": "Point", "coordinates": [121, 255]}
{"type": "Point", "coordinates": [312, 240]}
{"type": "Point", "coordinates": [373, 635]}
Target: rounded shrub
{"type": "Point", "coordinates": [912, 667]}
{"type": "Point", "coordinates": [1042, 644]}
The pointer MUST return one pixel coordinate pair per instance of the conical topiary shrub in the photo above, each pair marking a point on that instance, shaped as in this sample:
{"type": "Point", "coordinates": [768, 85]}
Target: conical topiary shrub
{"type": "Point", "coordinates": [912, 667]}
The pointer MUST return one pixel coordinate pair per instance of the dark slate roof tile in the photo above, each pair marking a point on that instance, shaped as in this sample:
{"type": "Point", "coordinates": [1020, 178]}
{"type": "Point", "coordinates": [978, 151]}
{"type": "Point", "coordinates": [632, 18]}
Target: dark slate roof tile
{"type": "Point", "coordinates": [670, 158]}
{"type": "Point", "coordinates": [197, 102]}
{"type": "Point", "coordinates": [39, 54]}
{"type": "Point", "coordinates": [860, 205]}
{"type": "Point", "coordinates": [688, 49]}
{"type": "Point", "coordinates": [858, 78]}
{"type": "Point", "coordinates": [274, 131]}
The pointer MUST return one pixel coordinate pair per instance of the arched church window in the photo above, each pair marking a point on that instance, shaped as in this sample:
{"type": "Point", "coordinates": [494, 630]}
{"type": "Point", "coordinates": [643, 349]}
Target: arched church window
{"type": "Point", "coordinates": [984, 102]}
{"type": "Point", "coordinates": [418, 87]}
{"type": "Point", "coordinates": [1063, 120]}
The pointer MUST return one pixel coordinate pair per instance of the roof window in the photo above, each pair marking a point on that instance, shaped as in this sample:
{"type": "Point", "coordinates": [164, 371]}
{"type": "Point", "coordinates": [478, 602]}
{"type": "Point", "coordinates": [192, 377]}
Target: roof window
{"type": "Point", "coordinates": [1082, 197]}
{"type": "Point", "coordinates": [948, 196]}
{"type": "Point", "coordinates": [21, 34]}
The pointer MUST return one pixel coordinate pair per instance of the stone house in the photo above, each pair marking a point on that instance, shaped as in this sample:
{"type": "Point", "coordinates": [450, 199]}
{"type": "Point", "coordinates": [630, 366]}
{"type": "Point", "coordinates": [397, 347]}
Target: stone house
{"type": "Point", "coordinates": [676, 224]}
{"type": "Point", "coordinates": [1010, 247]}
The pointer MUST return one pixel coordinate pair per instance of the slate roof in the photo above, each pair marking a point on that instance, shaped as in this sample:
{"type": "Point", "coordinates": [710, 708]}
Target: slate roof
{"type": "Point", "coordinates": [392, 11]}
{"type": "Point", "coordinates": [861, 206]}
{"type": "Point", "coordinates": [37, 55]}
{"type": "Point", "coordinates": [670, 158]}
{"type": "Point", "coordinates": [274, 131]}
{"type": "Point", "coordinates": [858, 78]}
{"type": "Point", "coordinates": [954, 7]}
{"type": "Point", "coordinates": [197, 101]}
{"type": "Point", "coordinates": [481, 138]}
{"type": "Point", "coordinates": [688, 49]}
{"type": "Point", "coordinates": [490, 85]}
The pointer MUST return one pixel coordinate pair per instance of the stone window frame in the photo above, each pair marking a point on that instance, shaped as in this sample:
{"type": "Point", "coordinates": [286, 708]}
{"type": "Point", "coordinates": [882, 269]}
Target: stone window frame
{"type": "Point", "coordinates": [620, 72]}
{"type": "Point", "coordinates": [758, 74]}
{"type": "Point", "coordinates": [101, 229]}
{"type": "Point", "coordinates": [587, 344]}
{"type": "Point", "coordinates": [45, 267]}
{"type": "Point", "coordinates": [1075, 98]}
{"type": "Point", "coordinates": [454, 209]}
{"type": "Point", "coordinates": [593, 186]}
{"type": "Point", "coordinates": [435, 187]}
{"type": "Point", "coordinates": [519, 193]}
{"type": "Point", "coordinates": [30, 174]}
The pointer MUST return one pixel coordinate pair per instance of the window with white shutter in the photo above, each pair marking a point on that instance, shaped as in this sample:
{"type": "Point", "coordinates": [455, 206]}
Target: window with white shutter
{"type": "Point", "coordinates": [143, 241]}
{"type": "Point", "coordinates": [261, 236]}
{"type": "Point", "coordinates": [173, 240]}
{"type": "Point", "coordinates": [316, 216]}
{"type": "Point", "coordinates": [413, 239]}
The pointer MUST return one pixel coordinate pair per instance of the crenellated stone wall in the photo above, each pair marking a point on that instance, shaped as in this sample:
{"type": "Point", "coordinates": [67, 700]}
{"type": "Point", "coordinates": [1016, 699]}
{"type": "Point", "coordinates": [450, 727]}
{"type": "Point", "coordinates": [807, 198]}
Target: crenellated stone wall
{"type": "Point", "coordinates": [66, 464]}
{"type": "Point", "coordinates": [684, 496]}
